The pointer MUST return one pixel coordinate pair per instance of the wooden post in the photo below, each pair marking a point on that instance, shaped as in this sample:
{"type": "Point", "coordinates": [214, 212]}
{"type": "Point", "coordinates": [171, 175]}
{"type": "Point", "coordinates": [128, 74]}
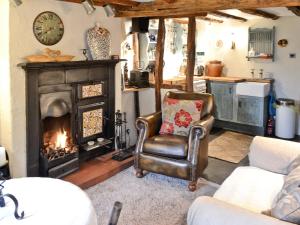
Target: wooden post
{"type": "Point", "coordinates": [136, 50]}
{"type": "Point", "coordinates": [191, 48]}
{"type": "Point", "coordinates": [159, 61]}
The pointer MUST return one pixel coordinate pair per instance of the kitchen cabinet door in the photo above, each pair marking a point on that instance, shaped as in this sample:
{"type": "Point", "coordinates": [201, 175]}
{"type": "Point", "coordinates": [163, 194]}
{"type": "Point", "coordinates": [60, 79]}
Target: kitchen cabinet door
{"type": "Point", "coordinates": [250, 110]}
{"type": "Point", "coordinates": [223, 95]}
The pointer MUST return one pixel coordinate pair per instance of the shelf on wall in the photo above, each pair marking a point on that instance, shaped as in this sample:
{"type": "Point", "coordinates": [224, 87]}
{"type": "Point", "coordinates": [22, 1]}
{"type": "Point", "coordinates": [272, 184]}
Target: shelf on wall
{"type": "Point", "coordinates": [262, 41]}
{"type": "Point", "coordinates": [259, 57]}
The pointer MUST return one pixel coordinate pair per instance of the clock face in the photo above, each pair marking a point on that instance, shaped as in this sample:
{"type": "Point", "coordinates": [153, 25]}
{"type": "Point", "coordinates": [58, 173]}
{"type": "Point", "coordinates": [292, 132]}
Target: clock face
{"type": "Point", "coordinates": [48, 28]}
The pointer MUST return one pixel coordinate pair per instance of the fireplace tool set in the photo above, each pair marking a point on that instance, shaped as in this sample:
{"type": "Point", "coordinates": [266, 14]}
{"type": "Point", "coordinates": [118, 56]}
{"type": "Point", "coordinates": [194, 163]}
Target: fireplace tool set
{"type": "Point", "coordinates": [121, 136]}
{"type": "Point", "coordinates": [12, 197]}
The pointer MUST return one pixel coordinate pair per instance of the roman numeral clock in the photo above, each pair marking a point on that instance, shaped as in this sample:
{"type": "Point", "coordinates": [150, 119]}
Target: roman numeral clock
{"type": "Point", "coordinates": [48, 28]}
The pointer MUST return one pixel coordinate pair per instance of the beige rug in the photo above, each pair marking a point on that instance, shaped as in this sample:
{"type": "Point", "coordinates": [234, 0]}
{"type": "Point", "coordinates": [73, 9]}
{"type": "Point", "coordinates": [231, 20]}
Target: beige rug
{"type": "Point", "coordinates": [229, 146]}
{"type": "Point", "coordinates": [152, 200]}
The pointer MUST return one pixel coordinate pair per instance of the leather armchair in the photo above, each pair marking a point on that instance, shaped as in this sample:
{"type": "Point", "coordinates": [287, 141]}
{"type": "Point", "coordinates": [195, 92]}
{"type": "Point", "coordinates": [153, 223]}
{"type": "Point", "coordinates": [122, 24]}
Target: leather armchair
{"type": "Point", "coordinates": [175, 155]}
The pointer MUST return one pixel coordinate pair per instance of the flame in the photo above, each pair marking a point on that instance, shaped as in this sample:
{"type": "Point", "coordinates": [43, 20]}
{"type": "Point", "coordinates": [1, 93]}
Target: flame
{"type": "Point", "coordinates": [61, 139]}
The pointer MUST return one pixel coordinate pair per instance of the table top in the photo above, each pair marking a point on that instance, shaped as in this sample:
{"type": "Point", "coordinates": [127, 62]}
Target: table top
{"type": "Point", "coordinates": [47, 201]}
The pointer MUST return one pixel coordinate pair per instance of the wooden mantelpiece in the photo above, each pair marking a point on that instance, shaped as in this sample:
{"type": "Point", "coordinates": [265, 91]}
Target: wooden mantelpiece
{"type": "Point", "coordinates": [69, 64]}
{"type": "Point", "coordinates": [53, 77]}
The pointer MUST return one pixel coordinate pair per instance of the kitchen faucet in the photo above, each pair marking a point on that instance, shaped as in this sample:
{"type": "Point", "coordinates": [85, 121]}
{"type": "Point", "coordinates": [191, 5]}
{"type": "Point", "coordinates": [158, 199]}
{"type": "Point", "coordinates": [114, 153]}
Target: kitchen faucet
{"type": "Point", "coordinates": [261, 73]}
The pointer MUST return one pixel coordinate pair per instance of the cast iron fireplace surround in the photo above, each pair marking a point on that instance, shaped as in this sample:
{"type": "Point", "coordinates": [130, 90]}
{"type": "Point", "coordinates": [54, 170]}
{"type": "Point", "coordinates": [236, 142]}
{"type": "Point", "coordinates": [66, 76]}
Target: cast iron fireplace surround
{"type": "Point", "coordinates": [71, 94]}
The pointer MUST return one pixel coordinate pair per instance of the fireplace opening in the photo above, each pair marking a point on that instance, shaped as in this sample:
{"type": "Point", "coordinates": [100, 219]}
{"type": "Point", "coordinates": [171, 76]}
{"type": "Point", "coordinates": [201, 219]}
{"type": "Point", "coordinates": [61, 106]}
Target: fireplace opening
{"type": "Point", "coordinates": [59, 150]}
{"type": "Point", "coordinates": [57, 137]}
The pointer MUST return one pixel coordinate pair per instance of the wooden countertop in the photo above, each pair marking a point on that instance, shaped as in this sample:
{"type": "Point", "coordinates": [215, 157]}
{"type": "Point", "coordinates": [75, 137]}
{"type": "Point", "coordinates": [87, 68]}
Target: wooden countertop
{"type": "Point", "coordinates": [225, 79]}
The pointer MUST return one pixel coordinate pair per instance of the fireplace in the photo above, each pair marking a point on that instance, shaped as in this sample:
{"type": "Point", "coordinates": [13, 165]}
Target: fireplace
{"type": "Point", "coordinates": [70, 114]}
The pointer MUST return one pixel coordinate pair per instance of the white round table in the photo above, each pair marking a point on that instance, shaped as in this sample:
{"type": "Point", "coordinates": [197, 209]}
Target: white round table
{"type": "Point", "coordinates": [47, 201]}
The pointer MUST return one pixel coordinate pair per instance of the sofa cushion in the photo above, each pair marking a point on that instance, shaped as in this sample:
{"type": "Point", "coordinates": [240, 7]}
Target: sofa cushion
{"type": "Point", "coordinates": [287, 204]}
{"type": "Point", "coordinates": [273, 154]}
{"type": "Point", "coordinates": [251, 188]}
{"type": "Point", "coordinates": [178, 115]}
{"type": "Point", "coordinates": [168, 145]}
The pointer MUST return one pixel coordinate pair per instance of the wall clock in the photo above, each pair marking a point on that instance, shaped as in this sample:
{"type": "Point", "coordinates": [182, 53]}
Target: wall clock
{"type": "Point", "coordinates": [48, 28]}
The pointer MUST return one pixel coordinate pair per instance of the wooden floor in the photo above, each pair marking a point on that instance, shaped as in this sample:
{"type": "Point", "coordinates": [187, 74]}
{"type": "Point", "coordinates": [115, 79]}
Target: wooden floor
{"type": "Point", "coordinates": [97, 170]}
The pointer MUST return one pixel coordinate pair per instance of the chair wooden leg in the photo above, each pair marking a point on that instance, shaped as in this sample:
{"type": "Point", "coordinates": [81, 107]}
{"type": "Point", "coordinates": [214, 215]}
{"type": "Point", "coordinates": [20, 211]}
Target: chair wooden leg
{"type": "Point", "coordinates": [139, 173]}
{"type": "Point", "coordinates": [192, 186]}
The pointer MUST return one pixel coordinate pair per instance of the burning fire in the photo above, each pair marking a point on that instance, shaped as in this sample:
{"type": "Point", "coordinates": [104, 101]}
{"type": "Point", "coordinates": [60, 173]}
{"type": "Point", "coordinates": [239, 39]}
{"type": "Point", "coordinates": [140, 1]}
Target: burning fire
{"type": "Point", "coordinates": [61, 139]}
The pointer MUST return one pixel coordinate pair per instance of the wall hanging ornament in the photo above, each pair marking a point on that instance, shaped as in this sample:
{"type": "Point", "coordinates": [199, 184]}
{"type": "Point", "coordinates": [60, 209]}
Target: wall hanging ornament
{"type": "Point", "coordinates": [99, 42]}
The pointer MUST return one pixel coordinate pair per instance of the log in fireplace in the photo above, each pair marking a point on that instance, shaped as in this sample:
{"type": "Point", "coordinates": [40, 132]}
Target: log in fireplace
{"type": "Point", "coordinates": [70, 114]}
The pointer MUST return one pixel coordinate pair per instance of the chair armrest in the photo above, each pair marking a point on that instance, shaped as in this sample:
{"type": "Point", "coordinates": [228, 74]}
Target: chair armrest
{"type": "Point", "coordinates": [151, 123]}
{"type": "Point", "coordinates": [204, 125]}
{"type": "Point", "coordinates": [272, 154]}
{"type": "Point", "coordinates": [147, 126]}
{"type": "Point", "coordinates": [210, 211]}
{"type": "Point", "coordinates": [199, 131]}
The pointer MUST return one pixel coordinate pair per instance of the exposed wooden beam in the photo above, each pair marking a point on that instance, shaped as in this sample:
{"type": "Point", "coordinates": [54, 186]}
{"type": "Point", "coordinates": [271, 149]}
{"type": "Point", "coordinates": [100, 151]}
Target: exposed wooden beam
{"type": "Point", "coordinates": [226, 15]}
{"type": "Point", "coordinates": [165, 13]}
{"type": "Point", "coordinates": [209, 19]}
{"type": "Point", "coordinates": [104, 2]}
{"type": "Point", "coordinates": [186, 21]}
{"type": "Point", "coordinates": [159, 61]}
{"type": "Point", "coordinates": [196, 6]}
{"type": "Point", "coordinates": [136, 50]}
{"type": "Point", "coordinates": [191, 48]}
{"type": "Point", "coordinates": [295, 10]}
{"type": "Point", "coordinates": [119, 2]}
{"type": "Point", "coordinates": [170, 1]}
{"type": "Point", "coordinates": [261, 13]}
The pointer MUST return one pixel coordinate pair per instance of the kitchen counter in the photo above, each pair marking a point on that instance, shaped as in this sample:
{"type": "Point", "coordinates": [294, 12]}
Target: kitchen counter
{"type": "Point", "coordinates": [180, 81]}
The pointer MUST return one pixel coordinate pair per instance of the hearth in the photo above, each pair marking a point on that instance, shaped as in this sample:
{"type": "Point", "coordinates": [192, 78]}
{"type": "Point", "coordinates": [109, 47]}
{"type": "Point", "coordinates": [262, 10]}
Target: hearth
{"type": "Point", "coordinates": [70, 114]}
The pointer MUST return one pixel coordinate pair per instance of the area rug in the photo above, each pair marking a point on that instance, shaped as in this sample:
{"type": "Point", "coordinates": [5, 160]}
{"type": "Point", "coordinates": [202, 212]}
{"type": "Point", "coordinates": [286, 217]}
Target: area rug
{"type": "Point", "coordinates": [152, 200]}
{"type": "Point", "coordinates": [229, 146]}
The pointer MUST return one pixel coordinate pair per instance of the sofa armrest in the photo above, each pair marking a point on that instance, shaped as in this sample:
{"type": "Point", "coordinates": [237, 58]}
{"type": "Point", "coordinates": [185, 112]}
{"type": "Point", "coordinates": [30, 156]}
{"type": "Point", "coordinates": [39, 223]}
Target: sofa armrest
{"type": "Point", "coordinates": [147, 126]}
{"type": "Point", "coordinates": [272, 154]}
{"type": "Point", "coordinates": [210, 211]}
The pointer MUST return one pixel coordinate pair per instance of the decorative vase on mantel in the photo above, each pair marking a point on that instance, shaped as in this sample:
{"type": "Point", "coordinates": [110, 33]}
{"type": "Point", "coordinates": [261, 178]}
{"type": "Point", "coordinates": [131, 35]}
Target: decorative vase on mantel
{"type": "Point", "coordinates": [99, 42]}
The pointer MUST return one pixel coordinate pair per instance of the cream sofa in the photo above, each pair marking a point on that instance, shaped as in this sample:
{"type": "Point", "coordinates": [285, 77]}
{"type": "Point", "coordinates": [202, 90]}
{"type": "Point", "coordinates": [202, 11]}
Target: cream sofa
{"type": "Point", "coordinates": [249, 190]}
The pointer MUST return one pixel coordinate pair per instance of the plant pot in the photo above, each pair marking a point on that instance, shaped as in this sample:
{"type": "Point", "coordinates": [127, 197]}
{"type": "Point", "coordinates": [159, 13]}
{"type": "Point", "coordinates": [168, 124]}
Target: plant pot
{"type": "Point", "coordinates": [214, 68]}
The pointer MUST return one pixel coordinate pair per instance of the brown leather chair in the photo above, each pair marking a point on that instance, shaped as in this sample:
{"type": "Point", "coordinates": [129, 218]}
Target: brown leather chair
{"type": "Point", "coordinates": [174, 155]}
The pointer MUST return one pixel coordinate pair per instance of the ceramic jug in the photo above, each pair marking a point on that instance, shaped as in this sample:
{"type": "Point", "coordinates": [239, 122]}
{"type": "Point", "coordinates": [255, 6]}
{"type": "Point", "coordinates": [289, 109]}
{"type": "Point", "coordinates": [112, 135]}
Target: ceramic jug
{"type": "Point", "coordinates": [214, 68]}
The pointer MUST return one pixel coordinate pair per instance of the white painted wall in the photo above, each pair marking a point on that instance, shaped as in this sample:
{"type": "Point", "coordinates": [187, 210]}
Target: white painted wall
{"type": "Point", "coordinates": [4, 73]}
{"type": "Point", "coordinates": [23, 43]}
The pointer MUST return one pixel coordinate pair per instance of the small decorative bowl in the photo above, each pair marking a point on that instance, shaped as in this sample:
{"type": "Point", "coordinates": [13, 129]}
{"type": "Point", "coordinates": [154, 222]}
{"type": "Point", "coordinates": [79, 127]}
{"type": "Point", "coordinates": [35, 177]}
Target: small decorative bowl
{"type": "Point", "coordinates": [90, 143]}
{"type": "Point", "coordinates": [100, 139]}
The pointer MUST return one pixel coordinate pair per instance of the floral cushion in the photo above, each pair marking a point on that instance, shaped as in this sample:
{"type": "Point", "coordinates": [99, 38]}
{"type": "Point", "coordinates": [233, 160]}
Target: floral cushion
{"type": "Point", "coordinates": [178, 115]}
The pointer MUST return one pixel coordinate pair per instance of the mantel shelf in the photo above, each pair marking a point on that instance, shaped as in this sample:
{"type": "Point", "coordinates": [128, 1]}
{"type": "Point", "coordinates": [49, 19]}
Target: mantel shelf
{"type": "Point", "coordinates": [70, 64]}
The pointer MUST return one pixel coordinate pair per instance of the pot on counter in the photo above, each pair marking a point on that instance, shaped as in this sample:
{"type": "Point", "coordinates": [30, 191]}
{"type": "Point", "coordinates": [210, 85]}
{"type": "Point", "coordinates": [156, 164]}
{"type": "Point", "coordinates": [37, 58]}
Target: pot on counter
{"type": "Point", "coordinates": [214, 68]}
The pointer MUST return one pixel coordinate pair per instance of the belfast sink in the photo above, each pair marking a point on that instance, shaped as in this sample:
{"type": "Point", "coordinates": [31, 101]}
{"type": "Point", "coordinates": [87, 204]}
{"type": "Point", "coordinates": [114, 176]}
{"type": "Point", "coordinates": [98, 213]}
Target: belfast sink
{"type": "Point", "coordinates": [253, 89]}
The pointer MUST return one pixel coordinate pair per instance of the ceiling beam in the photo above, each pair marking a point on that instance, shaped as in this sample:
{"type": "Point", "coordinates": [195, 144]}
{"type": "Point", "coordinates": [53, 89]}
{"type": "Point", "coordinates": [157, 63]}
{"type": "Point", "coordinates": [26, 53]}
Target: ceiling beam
{"type": "Point", "coordinates": [185, 21]}
{"type": "Point", "coordinates": [213, 5]}
{"type": "Point", "coordinates": [226, 15]}
{"type": "Point", "coordinates": [261, 13]}
{"type": "Point", "coordinates": [104, 2]}
{"type": "Point", "coordinates": [295, 10]}
{"type": "Point", "coordinates": [166, 13]}
{"type": "Point", "coordinates": [170, 1]}
{"type": "Point", "coordinates": [209, 19]}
